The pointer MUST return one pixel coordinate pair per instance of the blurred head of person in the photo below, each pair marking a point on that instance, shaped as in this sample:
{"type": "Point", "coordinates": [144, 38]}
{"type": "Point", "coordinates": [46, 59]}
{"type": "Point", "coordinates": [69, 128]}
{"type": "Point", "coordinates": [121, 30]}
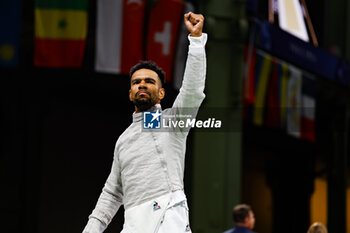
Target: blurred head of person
{"type": "Point", "coordinates": [317, 227]}
{"type": "Point", "coordinates": [243, 215]}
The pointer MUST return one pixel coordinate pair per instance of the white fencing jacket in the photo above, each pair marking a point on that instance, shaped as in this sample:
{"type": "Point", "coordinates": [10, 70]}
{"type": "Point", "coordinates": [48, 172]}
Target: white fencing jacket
{"type": "Point", "coordinates": [148, 167]}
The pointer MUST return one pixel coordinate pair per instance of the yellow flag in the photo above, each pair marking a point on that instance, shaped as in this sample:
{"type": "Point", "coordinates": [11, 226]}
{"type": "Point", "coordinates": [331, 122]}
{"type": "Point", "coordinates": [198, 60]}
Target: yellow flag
{"type": "Point", "coordinates": [258, 118]}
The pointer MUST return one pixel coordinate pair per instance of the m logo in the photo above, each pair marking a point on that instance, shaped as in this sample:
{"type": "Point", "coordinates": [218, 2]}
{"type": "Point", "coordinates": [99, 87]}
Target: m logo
{"type": "Point", "coordinates": [152, 120]}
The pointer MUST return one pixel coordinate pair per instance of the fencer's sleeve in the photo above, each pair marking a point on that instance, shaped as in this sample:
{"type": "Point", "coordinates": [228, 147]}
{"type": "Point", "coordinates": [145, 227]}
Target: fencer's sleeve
{"type": "Point", "coordinates": [191, 92]}
{"type": "Point", "coordinates": [110, 200]}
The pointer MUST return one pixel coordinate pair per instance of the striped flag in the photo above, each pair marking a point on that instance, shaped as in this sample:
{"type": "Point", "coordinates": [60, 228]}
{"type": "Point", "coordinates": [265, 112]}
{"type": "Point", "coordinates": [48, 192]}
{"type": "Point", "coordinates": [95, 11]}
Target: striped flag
{"type": "Point", "coordinates": [294, 101]}
{"type": "Point", "coordinates": [283, 82]}
{"type": "Point", "coordinates": [119, 35]}
{"type": "Point", "coordinates": [60, 32]}
{"type": "Point", "coordinates": [261, 89]}
{"type": "Point", "coordinates": [307, 121]}
{"type": "Point", "coordinates": [249, 77]}
{"type": "Point", "coordinates": [163, 29]}
{"type": "Point", "coordinates": [10, 29]}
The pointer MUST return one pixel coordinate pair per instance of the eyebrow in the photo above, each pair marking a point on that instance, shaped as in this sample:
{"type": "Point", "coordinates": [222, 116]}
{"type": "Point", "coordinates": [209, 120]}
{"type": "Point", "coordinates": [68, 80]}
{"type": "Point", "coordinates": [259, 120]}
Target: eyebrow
{"type": "Point", "coordinates": [146, 79]}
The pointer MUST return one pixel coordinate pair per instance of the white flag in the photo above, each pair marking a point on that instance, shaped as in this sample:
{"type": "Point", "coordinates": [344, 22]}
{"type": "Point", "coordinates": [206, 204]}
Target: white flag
{"type": "Point", "coordinates": [294, 101]}
{"type": "Point", "coordinates": [119, 35]}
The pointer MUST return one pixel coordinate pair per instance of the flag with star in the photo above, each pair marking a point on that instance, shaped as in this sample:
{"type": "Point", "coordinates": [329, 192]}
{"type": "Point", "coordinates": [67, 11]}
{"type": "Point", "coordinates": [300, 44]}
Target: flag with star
{"type": "Point", "coordinates": [163, 33]}
{"type": "Point", "coordinates": [60, 32]}
{"type": "Point", "coordinates": [10, 27]}
{"type": "Point", "coordinates": [119, 35]}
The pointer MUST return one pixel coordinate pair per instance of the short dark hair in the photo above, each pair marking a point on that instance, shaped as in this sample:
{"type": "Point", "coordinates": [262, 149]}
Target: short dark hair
{"type": "Point", "coordinates": [240, 212]}
{"type": "Point", "coordinates": [151, 66]}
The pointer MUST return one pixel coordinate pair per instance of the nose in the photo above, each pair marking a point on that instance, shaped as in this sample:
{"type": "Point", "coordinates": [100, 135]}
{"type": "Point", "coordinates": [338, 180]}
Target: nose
{"type": "Point", "coordinates": [142, 85]}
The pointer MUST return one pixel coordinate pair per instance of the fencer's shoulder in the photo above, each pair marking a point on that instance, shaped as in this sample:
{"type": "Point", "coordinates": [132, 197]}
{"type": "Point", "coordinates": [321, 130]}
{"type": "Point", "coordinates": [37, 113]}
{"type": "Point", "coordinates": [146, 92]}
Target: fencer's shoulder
{"type": "Point", "coordinates": [167, 111]}
{"type": "Point", "coordinates": [126, 134]}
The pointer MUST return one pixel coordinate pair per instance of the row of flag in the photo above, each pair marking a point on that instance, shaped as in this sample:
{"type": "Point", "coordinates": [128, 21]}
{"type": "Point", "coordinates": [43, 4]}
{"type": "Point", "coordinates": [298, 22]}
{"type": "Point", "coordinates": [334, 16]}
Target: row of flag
{"type": "Point", "coordinates": [279, 95]}
{"type": "Point", "coordinates": [127, 31]}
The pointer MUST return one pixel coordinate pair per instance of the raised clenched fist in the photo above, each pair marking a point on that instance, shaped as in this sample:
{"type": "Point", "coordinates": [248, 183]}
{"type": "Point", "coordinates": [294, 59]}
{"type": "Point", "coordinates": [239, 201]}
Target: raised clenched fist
{"type": "Point", "coordinates": [194, 23]}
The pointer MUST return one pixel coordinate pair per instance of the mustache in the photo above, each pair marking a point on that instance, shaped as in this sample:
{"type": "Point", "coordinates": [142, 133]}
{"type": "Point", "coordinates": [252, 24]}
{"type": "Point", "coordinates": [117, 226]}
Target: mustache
{"type": "Point", "coordinates": [147, 92]}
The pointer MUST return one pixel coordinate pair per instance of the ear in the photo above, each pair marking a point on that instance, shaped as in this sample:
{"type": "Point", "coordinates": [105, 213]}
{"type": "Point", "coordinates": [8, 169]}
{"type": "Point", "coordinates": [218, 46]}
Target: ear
{"type": "Point", "coordinates": [161, 93]}
{"type": "Point", "coordinates": [130, 96]}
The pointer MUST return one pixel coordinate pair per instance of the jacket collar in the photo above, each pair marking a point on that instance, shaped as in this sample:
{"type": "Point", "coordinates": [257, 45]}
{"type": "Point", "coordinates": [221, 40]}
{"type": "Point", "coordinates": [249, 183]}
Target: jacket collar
{"type": "Point", "coordinates": [139, 115]}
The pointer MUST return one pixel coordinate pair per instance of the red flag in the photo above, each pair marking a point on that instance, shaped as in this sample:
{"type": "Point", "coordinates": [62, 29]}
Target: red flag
{"type": "Point", "coordinates": [249, 77]}
{"type": "Point", "coordinates": [164, 24]}
{"type": "Point", "coordinates": [132, 35]}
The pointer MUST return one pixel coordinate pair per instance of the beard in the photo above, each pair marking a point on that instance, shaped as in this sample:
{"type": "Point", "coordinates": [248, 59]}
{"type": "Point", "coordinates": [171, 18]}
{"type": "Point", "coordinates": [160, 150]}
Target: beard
{"type": "Point", "coordinates": [144, 104]}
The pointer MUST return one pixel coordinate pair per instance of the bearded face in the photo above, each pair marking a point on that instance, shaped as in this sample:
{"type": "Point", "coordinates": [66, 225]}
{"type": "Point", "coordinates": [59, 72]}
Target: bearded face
{"type": "Point", "coordinates": [146, 90]}
{"type": "Point", "coordinates": [144, 100]}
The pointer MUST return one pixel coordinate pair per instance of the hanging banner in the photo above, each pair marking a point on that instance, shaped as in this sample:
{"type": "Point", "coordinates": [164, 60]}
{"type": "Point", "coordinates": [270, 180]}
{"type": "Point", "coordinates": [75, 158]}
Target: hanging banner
{"type": "Point", "coordinates": [302, 54]}
{"type": "Point", "coordinates": [307, 120]}
{"type": "Point", "coordinates": [60, 32]}
{"type": "Point", "coordinates": [261, 89]}
{"type": "Point", "coordinates": [294, 104]}
{"type": "Point", "coordinates": [285, 97]}
{"type": "Point", "coordinates": [163, 32]}
{"type": "Point", "coordinates": [119, 35]}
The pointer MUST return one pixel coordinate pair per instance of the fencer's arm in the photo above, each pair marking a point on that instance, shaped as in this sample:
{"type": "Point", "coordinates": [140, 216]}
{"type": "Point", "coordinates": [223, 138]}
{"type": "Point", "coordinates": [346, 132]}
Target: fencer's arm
{"type": "Point", "coordinates": [108, 203]}
{"type": "Point", "coordinates": [192, 90]}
